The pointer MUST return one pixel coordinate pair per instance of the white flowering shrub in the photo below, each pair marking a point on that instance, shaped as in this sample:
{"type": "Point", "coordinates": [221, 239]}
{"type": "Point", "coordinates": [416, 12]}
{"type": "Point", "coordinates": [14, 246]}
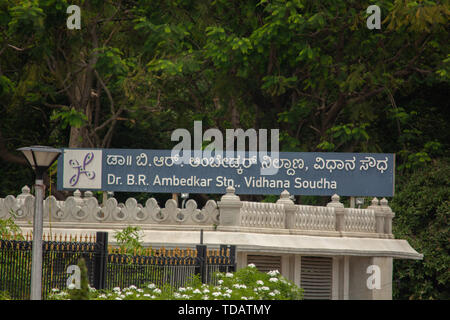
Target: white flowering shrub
{"type": "Point", "coordinates": [245, 284]}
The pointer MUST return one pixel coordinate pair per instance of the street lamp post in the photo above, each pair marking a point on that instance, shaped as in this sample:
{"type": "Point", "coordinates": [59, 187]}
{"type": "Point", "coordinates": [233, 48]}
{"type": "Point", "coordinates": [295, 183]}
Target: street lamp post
{"type": "Point", "coordinates": [40, 159]}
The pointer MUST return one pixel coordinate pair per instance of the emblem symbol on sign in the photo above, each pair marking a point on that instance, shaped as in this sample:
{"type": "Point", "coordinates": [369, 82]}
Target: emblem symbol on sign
{"type": "Point", "coordinates": [81, 169]}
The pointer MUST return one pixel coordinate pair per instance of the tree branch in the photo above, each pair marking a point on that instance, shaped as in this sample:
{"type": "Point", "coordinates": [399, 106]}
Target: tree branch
{"type": "Point", "coordinates": [8, 156]}
{"type": "Point", "coordinates": [108, 93]}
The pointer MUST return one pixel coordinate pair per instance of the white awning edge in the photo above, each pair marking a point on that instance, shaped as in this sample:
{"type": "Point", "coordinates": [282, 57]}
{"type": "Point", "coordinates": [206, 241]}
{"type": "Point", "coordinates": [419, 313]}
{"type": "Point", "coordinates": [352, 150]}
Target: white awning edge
{"type": "Point", "coordinates": [290, 244]}
{"type": "Point", "coordinates": [271, 243]}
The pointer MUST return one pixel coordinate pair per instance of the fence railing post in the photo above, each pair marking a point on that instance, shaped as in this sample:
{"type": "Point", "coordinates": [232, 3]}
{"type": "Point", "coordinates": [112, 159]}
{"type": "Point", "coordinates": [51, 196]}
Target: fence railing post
{"type": "Point", "coordinates": [388, 216]}
{"type": "Point", "coordinates": [339, 212]}
{"type": "Point", "coordinates": [223, 257]}
{"type": "Point", "coordinates": [289, 209]}
{"type": "Point", "coordinates": [233, 258]}
{"type": "Point", "coordinates": [379, 215]}
{"type": "Point", "coordinates": [101, 259]}
{"type": "Point", "coordinates": [200, 267]}
{"type": "Point", "coordinates": [230, 209]}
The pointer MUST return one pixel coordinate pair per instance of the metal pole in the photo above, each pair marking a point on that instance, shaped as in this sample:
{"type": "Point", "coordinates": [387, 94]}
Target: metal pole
{"type": "Point", "coordinates": [352, 202]}
{"type": "Point", "coordinates": [36, 264]}
{"type": "Point", "coordinates": [175, 197]}
{"type": "Point", "coordinates": [101, 259]}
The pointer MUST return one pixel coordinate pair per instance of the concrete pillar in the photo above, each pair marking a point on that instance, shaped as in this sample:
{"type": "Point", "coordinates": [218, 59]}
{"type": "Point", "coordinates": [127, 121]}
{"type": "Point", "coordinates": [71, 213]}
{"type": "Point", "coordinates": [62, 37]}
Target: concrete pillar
{"type": "Point", "coordinates": [385, 265]}
{"type": "Point", "coordinates": [339, 212]}
{"type": "Point", "coordinates": [241, 258]}
{"type": "Point", "coordinates": [289, 209]}
{"type": "Point", "coordinates": [335, 286]}
{"type": "Point", "coordinates": [346, 278]}
{"type": "Point", "coordinates": [285, 267]}
{"type": "Point", "coordinates": [230, 209]}
{"type": "Point", "coordinates": [371, 278]}
{"type": "Point", "coordinates": [297, 269]}
{"type": "Point", "coordinates": [388, 216]}
{"type": "Point", "coordinates": [358, 289]}
{"type": "Point", "coordinates": [379, 215]}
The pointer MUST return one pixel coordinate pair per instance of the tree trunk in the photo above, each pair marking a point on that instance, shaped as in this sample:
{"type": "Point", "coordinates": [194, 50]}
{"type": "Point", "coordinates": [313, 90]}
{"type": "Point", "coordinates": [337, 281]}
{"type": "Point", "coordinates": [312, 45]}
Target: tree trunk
{"type": "Point", "coordinates": [235, 119]}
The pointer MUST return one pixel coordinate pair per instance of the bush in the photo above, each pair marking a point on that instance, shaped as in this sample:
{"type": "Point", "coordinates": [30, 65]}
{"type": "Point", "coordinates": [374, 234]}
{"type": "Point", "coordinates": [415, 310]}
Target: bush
{"type": "Point", "coordinates": [9, 229]}
{"type": "Point", "coordinates": [4, 295]}
{"type": "Point", "coordinates": [129, 239]}
{"type": "Point", "coordinates": [245, 284]}
{"type": "Point", "coordinates": [422, 208]}
{"type": "Point", "coordinates": [83, 292]}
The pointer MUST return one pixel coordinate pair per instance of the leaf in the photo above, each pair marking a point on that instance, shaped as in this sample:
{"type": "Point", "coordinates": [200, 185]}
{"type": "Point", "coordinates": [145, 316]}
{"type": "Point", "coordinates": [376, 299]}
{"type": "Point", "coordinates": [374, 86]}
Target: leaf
{"type": "Point", "coordinates": [70, 117]}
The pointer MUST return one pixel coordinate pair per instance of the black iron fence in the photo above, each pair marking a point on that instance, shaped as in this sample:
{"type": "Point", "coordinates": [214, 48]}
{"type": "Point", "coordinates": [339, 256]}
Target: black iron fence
{"type": "Point", "coordinates": [109, 267]}
{"type": "Point", "coordinates": [15, 268]}
{"type": "Point", "coordinates": [168, 266]}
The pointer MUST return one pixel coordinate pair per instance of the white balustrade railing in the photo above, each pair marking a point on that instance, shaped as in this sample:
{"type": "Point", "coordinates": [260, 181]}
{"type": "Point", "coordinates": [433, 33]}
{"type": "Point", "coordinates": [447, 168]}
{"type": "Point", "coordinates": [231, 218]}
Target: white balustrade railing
{"type": "Point", "coordinates": [359, 220]}
{"type": "Point", "coordinates": [314, 218]}
{"type": "Point", "coordinates": [87, 209]}
{"type": "Point", "coordinates": [262, 215]}
{"type": "Point", "coordinates": [230, 211]}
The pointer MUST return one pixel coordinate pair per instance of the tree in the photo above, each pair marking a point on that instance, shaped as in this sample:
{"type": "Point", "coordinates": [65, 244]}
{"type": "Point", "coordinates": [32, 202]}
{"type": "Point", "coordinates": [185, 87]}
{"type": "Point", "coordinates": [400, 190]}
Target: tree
{"type": "Point", "coordinates": [78, 75]}
{"type": "Point", "coordinates": [312, 68]}
{"type": "Point", "coordinates": [422, 207]}
{"type": "Point", "coordinates": [137, 70]}
{"type": "Point", "coordinates": [65, 87]}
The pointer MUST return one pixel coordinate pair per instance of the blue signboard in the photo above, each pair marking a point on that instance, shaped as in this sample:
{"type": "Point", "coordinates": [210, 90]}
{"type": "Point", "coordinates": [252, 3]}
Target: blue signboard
{"type": "Point", "coordinates": [158, 171]}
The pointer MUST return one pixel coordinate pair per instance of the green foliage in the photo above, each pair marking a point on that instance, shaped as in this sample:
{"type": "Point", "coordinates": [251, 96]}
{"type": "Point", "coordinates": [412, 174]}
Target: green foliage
{"type": "Point", "coordinates": [129, 239]}
{"type": "Point", "coordinates": [83, 292]}
{"type": "Point", "coordinates": [4, 295]}
{"type": "Point", "coordinates": [69, 117]}
{"type": "Point", "coordinates": [21, 264]}
{"type": "Point", "coordinates": [310, 68]}
{"type": "Point", "coordinates": [9, 229]}
{"type": "Point", "coordinates": [277, 85]}
{"type": "Point", "coordinates": [419, 16]}
{"type": "Point", "coordinates": [444, 72]}
{"type": "Point", "coordinates": [26, 15]}
{"type": "Point", "coordinates": [6, 86]}
{"type": "Point", "coordinates": [422, 207]}
{"type": "Point", "coordinates": [345, 134]}
{"type": "Point", "coordinates": [246, 284]}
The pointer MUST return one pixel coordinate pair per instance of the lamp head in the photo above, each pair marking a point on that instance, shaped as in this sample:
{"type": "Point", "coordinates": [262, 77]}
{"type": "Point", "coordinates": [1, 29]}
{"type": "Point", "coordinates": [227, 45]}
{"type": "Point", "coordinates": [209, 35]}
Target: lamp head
{"type": "Point", "coordinates": [40, 158]}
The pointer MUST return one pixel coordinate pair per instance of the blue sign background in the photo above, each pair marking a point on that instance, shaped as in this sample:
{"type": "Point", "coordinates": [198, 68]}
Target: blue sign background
{"type": "Point", "coordinates": [301, 173]}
